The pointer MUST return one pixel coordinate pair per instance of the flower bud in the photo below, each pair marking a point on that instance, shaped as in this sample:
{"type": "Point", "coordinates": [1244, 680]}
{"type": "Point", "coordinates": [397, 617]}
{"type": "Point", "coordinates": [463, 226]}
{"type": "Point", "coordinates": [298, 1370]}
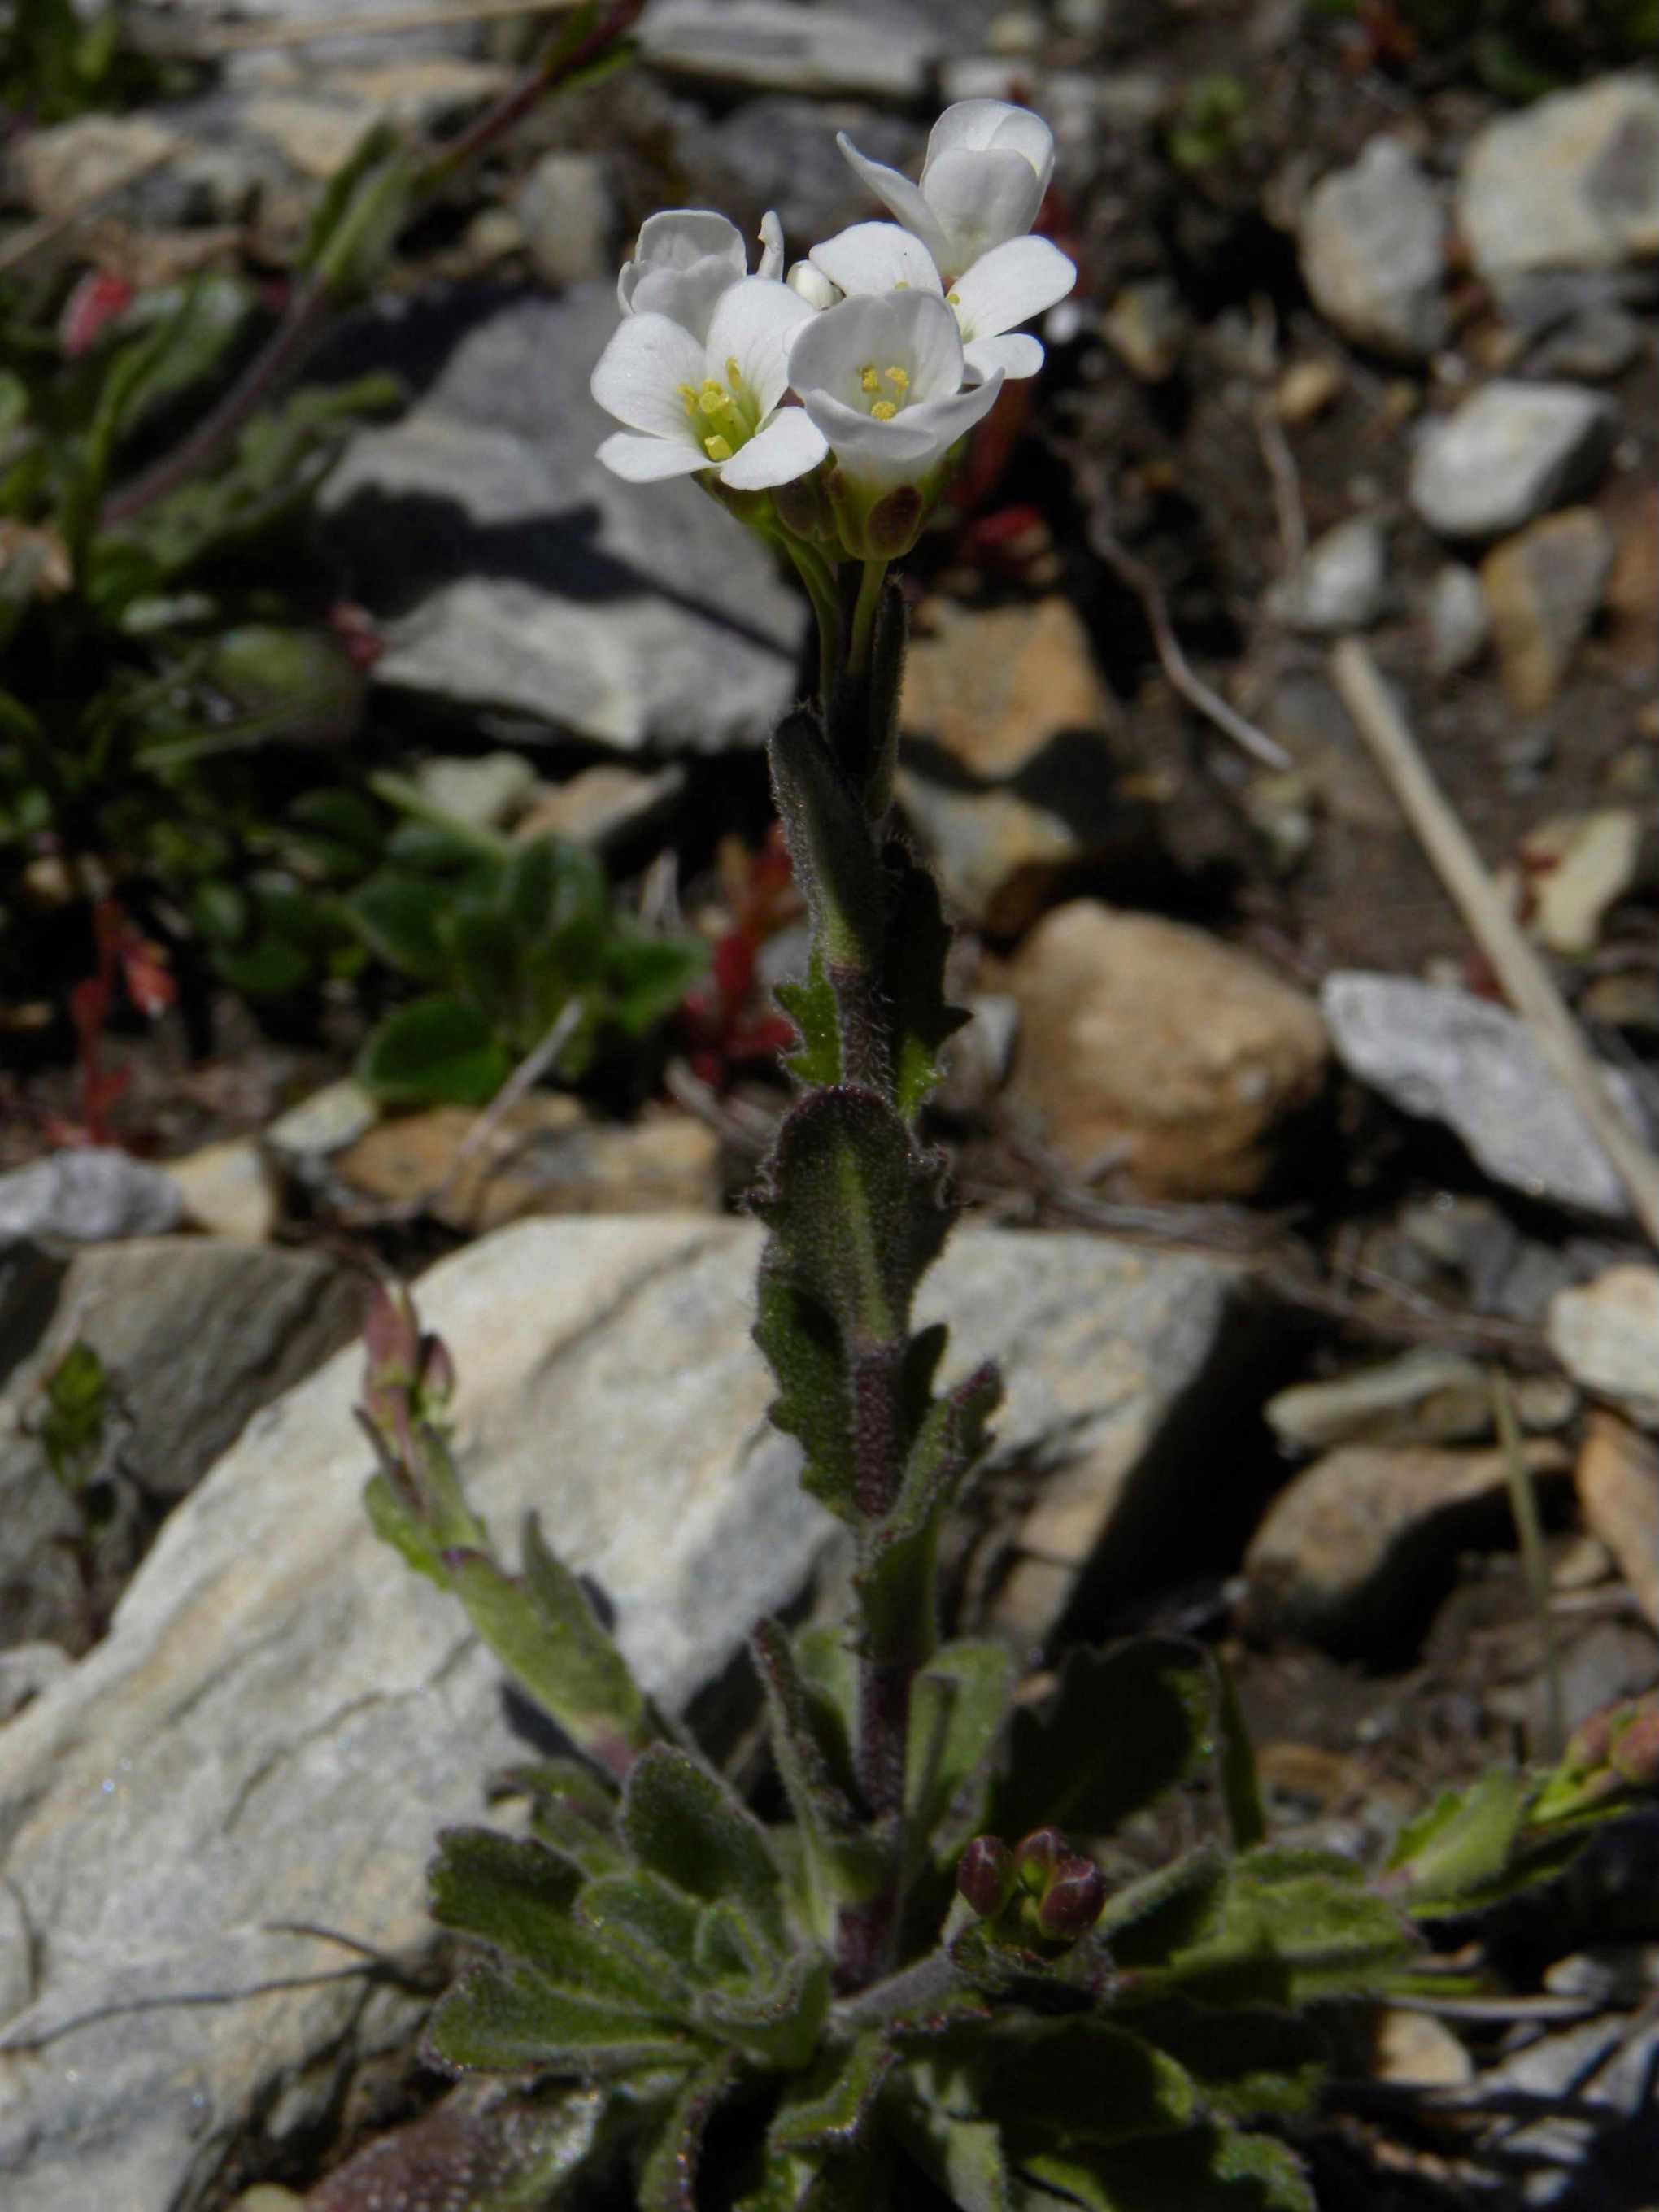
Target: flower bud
{"type": "Point", "coordinates": [1036, 1857]}
{"type": "Point", "coordinates": [437, 1371]}
{"type": "Point", "coordinates": [813, 286]}
{"type": "Point", "coordinates": [390, 1334]}
{"type": "Point", "coordinates": [1634, 1756]}
{"type": "Point", "coordinates": [985, 1875]}
{"type": "Point", "coordinates": [1071, 1904]}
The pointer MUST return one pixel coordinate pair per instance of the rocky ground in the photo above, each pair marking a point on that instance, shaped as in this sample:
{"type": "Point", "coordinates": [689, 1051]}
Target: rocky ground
{"type": "Point", "coordinates": [1305, 1266]}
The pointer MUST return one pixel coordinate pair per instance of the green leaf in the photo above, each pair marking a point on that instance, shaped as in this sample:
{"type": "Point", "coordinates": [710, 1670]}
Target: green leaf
{"type": "Point", "coordinates": [831, 843]}
{"type": "Point", "coordinates": [435, 1051]}
{"type": "Point", "coordinates": [546, 1634]}
{"type": "Point", "coordinates": [502, 2020]}
{"type": "Point", "coordinates": [1283, 1928]}
{"type": "Point", "coordinates": [668, 2179]}
{"type": "Point", "coordinates": [913, 976]}
{"type": "Point", "coordinates": [1248, 2062]}
{"type": "Point", "coordinates": [958, 1704]}
{"type": "Point", "coordinates": [1079, 2080]}
{"type": "Point", "coordinates": [1146, 1922]}
{"type": "Point", "coordinates": [730, 1946]}
{"type": "Point", "coordinates": [816, 1062]}
{"type": "Point", "coordinates": [896, 1585]}
{"type": "Point", "coordinates": [830, 2109]}
{"type": "Point", "coordinates": [366, 205]}
{"type": "Point", "coordinates": [775, 2023]}
{"type": "Point", "coordinates": [574, 1808]}
{"type": "Point", "coordinates": [687, 1825]}
{"type": "Point", "coordinates": [845, 1863]}
{"type": "Point", "coordinates": [651, 1919]}
{"type": "Point", "coordinates": [483, 953]}
{"type": "Point", "coordinates": [1207, 2169]}
{"type": "Point", "coordinates": [1124, 1723]}
{"type": "Point", "coordinates": [963, 2156]}
{"type": "Point", "coordinates": [1241, 1785]}
{"type": "Point", "coordinates": [651, 977]}
{"type": "Point", "coordinates": [803, 1347]}
{"type": "Point", "coordinates": [518, 1896]}
{"type": "Point", "coordinates": [1459, 1845]}
{"type": "Point", "coordinates": [77, 1404]}
{"type": "Point", "coordinates": [396, 917]}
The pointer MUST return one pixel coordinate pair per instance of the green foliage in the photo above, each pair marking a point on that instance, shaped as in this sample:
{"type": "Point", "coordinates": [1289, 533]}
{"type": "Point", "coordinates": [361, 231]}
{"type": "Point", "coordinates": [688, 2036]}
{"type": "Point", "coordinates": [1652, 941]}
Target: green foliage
{"type": "Point", "coordinates": [56, 63]}
{"type": "Point", "coordinates": [513, 939]}
{"type": "Point", "coordinates": [1212, 126]}
{"type": "Point", "coordinates": [71, 1425]}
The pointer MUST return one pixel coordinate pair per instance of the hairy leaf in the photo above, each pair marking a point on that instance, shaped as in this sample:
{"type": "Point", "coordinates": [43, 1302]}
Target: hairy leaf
{"type": "Point", "coordinates": [1207, 2169]}
{"type": "Point", "coordinates": [668, 2179]}
{"type": "Point", "coordinates": [1124, 1723]}
{"type": "Point", "coordinates": [958, 1704]}
{"type": "Point", "coordinates": [816, 1062]}
{"type": "Point", "coordinates": [830, 2109]}
{"type": "Point", "coordinates": [775, 2023]}
{"type": "Point", "coordinates": [685, 1824]}
{"type": "Point", "coordinates": [830, 844]}
{"type": "Point", "coordinates": [896, 1585]}
{"type": "Point", "coordinates": [1248, 2062]}
{"type": "Point", "coordinates": [507, 2153]}
{"type": "Point", "coordinates": [1079, 2079]}
{"type": "Point", "coordinates": [649, 1918]}
{"type": "Point", "coordinates": [1462, 1842]}
{"type": "Point", "coordinates": [913, 976]}
{"type": "Point", "coordinates": [504, 2020]}
{"type": "Point", "coordinates": [519, 1896]}
{"type": "Point", "coordinates": [844, 1861]}
{"type": "Point", "coordinates": [1146, 1922]}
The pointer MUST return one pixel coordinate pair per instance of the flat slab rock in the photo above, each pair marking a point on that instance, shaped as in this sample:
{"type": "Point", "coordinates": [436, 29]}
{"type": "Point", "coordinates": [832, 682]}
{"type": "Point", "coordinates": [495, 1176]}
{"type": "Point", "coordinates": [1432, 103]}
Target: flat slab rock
{"type": "Point", "coordinates": [282, 1715]}
{"type": "Point", "coordinates": [518, 575]}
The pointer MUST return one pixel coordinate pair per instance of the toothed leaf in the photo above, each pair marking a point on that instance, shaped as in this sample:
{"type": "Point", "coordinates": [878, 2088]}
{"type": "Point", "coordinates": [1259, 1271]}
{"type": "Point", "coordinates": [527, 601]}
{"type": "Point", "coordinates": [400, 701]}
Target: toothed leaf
{"type": "Point", "coordinates": [684, 1824]}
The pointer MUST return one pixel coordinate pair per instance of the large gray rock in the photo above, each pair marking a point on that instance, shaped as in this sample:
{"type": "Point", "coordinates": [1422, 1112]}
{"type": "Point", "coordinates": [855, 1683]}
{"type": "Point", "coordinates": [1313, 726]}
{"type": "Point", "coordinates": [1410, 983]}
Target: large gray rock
{"type": "Point", "coordinates": [282, 1715]}
{"type": "Point", "coordinates": [194, 1335]}
{"type": "Point", "coordinates": [1507, 454]}
{"type": "Point", "coordinates": [1571, 182]}
{"type": "Point", "coordinates": [528, 579]}
{"type": "Point", "coordinates": [783, 46]}
{"type": "Point", "coordinates": [1454, 1058]}
{"type": "Point", "coordinates": [87, 1195]}
{"type": "Point", "coordinates": [1373, 250]}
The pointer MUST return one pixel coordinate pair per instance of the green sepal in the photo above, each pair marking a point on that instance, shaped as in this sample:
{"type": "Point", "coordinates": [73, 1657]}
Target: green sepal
{"type": "Point", "coordinates": [830, 2109]}
{"type": "Point", "coordinates": [668, 2178]}
{"type": "Point", "coordinates": [687, 1825]}
{"type": "Point", "coordinates": [844, 1861]}
{"type": "Point", "coordinates": [505, 2019]}
{"type": "Point", "coordinates": [1282, 1927]}
{"type": "Point", "coordinates": [1453, 1852]}
{"type": "Point", "coordinates": [775, 2023]}
{"type": "Point", "coordinates": [1210, 2168]}
{"type": "Point", "coordinates": [959, 1702]}
{"type": "Point", "coordinates": [913, 975]}
{"type": "Point", "coordinates": [830, 842]}
{"type": "Point", "coordinates": [518, 1896]}
{"type": "Point", "coordinates": [435, 1051]}
{"type": "Point", "coordinates": [815, 1063]}
{"type": "Point", "coordinates": [544, 1630]}
{"type": "Point", "coordinates": [1124, 1723]}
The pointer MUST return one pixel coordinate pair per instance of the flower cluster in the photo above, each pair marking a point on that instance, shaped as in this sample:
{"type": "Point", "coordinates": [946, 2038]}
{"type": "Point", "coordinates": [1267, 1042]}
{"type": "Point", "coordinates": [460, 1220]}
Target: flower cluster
{"type": "Point", "coordinates": [864, 365]}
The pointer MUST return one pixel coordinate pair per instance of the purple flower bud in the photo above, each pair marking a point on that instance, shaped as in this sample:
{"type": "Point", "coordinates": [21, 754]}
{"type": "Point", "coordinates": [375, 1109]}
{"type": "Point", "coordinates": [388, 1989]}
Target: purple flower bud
{"type": "Point", "coordinates": [1634, 1753]}
{"type": "Point", "coordinates": [391, 1335]}
{"type": "Point", "coordinates": [437, 1370]}
{"type": "Point", "coordinates": [1071, 1904]}
{"type": "Point", "coordinates": [985, 1875]}
{"type": "Point", "coordinates": [1037, 1857]}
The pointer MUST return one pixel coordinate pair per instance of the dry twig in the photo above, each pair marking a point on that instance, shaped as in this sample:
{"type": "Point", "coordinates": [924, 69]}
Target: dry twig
{"type": "Point", "coordinates": [1510, 953]}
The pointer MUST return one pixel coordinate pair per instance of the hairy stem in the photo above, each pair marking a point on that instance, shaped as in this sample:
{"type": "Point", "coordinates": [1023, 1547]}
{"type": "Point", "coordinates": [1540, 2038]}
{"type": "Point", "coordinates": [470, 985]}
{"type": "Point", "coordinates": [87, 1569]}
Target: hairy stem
{"type": "Point", "coordinates": [874, 575]}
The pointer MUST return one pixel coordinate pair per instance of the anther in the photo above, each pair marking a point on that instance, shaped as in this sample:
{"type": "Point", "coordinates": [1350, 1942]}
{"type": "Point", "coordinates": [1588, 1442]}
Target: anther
{"type": "Point", "coordinates": [896, 375]}
{"type": "Point", "coordinates": [884, 410]}
{"type": "Point", "coordinates": [868, 380]}
{"type": "Point", "coordinates": [718, 449]}
{"type": "Point", "coordinates": [733, 373]}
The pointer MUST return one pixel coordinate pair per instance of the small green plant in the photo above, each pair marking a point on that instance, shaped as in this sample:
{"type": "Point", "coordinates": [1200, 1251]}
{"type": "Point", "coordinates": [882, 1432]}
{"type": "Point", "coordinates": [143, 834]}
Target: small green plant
{"type": "Point", "coordinates": [58, 61]}
{"type": "Point", "coordinates": [510, 941]}
{"type": "Point", "coordinates": [957, 1971]}
{"type": "Point", "coordinates": [1212, 126]}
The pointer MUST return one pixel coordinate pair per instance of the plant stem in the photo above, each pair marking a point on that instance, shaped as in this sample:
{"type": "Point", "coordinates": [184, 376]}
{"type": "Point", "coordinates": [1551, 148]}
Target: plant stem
{"type": "Point", "coordinates": [814, 572]}
{"type": "Point", "coordinates": [863, 615]}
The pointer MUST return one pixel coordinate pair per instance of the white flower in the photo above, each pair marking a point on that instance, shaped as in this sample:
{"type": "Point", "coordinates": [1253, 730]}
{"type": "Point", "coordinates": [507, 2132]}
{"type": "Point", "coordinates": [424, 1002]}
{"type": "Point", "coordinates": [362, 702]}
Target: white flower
{"type": "Point", "coordinates": [814, 287]}
{"type": "Point", "coordinates": [686, 260]}
{"type": "Point", "coordinates": [1011, 283]}
{"type": "Point", "coordinates": [693, 402]}
{"type": "Point", "coordinates": [881, 378]}
{"type": "Point", "coordinates": [964, 231]}
{"type": "Point", "coordinates": [988, 166]}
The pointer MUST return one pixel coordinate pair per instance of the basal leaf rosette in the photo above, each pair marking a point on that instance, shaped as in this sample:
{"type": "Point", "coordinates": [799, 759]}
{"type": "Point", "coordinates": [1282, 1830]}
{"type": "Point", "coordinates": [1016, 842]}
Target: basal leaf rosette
{"type": "Point", "coordinates": [883, 381]}
{"type": "Point", "coordinates": [691, 404]}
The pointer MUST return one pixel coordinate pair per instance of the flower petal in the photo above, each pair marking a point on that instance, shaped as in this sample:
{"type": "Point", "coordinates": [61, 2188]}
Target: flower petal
{"type": "Point", "coordinates": [687, 296]}
{"type": "Point", "coordinates": [771, 238]}
{"type": "Point", "coordinates": [980, 125]}
{"type": "Point", "coordinates": [637, 377]}
{"type": "Point", "coordinates": [978, 201]}
{"type": "Point", "coordinates": [878, 257]}
{"type": "Point", "coordinates": [648, 460]}
{"type": "Point", "coordinates": [871, 452]}
{"type": "Point", "coordinates": [753, 325]}
{"type": "Point", "coordinates": [914, 328]}
{"type": "Point", "coordinates": [790, 445]}
{"type": "Point", "coordinates": [1016, 356]}
{"type": "Point", "coordinates": [679, 236]}
{"type": "Point", "coordinates": [1009, 285]}
{"type": "Point", "coordinates": [897, 193]}
{"type": "Point", "coordinates": [814, 287]}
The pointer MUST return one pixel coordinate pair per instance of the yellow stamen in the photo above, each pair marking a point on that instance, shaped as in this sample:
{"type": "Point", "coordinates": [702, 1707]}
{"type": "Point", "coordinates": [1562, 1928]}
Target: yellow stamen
{"type": "Point", "coordinates": [868, 380]}
{"type": "Point", "coordinates": [688, 394]}
{"type": "Point", "coordinates": [733, 373]}
{"type": "Point", "coordinates": [884, 410]}
{"type": "Point", "coordinates": [954, 299]}
{"type": "Point", "coordinates": [895, 374]}
{"type": "Point", "coordinates": [715, 395]}
{"type": "Point", "coordinates": [717, 449]}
